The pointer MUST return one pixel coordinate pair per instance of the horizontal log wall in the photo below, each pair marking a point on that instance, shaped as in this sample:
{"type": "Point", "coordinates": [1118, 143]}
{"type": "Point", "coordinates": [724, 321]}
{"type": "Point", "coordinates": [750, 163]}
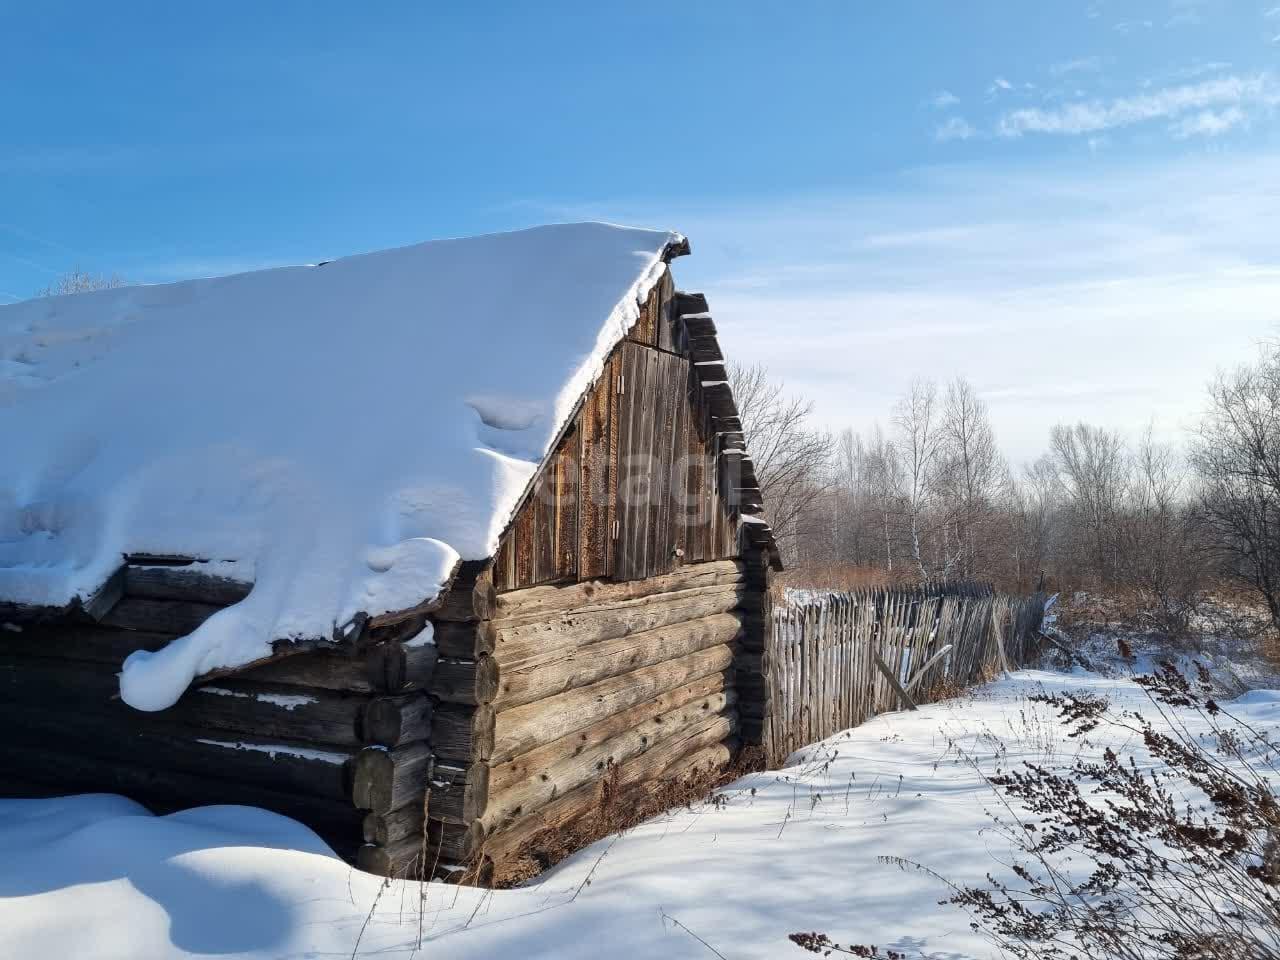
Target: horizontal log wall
{"type": "Point", "coordinates": [565, 687]}
{"type": "Point", "coordinates": [298, 735]}
{"type": "Point", "coordinates": [391, 746]}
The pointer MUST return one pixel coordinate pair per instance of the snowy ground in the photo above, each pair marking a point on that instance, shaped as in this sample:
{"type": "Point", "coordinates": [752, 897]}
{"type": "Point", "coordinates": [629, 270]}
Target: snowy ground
{"type": "Point", "coordinates": [786, 851]}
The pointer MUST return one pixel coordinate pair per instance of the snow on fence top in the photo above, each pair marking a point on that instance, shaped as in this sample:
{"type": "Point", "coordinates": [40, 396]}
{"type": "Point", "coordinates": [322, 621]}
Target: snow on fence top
{"type": "Point", "coordinates": [344, 432]}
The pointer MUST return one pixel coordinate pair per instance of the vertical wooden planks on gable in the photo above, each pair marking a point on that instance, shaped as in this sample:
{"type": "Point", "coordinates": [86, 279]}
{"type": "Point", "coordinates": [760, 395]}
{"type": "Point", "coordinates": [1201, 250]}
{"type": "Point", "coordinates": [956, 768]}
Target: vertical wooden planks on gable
{"type": "Point", "coordinates": [646, 505]}
{"type": "Point", "coordinates": [677, 465]}
{"type": "Point", "coordinates": [595, 477]}
{"type": "Point", "coordinates": [635, 437]}
{"type": "Point", "coordinates": [565, 525]}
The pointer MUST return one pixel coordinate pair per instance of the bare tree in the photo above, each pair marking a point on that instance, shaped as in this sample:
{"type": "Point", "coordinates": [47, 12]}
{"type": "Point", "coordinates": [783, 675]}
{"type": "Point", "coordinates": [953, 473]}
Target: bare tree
{"type": "Point", "coordinates": [973, 471]}
{"type": "Point", "coordinates": [919, 442]}
{"type": "Point", "coordinates": [1092, 467]}
{"type": "Point", "coordinates": [81, 281]}
{"type": "Point", "coordinates": [1237, 455]}
{"type": "Point", "coordinates": [792, 460]}
{"type": "Point", "coordinates": [1160, 550]}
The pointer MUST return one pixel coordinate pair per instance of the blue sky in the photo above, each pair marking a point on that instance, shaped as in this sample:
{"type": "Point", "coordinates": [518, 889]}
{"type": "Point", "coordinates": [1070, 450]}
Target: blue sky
{"type": "Point", "coordinates": [1072, 204]}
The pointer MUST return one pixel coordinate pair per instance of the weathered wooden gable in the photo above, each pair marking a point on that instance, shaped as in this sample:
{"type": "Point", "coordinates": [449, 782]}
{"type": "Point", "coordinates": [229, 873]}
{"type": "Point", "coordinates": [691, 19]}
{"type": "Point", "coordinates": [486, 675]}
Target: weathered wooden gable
{"type": "Point", "coordinates": [637, 485]}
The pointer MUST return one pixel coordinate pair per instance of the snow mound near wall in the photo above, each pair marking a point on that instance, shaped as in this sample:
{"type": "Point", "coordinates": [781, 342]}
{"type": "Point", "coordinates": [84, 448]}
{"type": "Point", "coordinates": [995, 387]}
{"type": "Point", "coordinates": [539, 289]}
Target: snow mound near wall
{"type": "Point", "coordinates": [348, 431]}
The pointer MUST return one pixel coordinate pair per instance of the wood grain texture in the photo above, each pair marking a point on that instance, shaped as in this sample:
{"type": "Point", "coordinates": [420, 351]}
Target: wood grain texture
{"type": "Point", "coordinates": [521, 729]}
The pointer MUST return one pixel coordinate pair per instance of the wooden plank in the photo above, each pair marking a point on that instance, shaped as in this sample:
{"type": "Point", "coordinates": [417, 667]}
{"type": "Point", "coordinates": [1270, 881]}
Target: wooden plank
{"type": "Point", "coordinates": [719, 400]}
{"type": "Point", "coordinates": [691, 512]}
{"type": "Point", "coordinates": [594, 479]}
{"type": "Point", "coordinates": [229, 706]}
{"type": "Point", "coordinates": [462, 734]}
{"type": "Point", "coordinates": [472, 595]}
{"type": "Point", "coordinates": [705, 350]}
{"type": "Point", "coordinates": [712, 716]}
{"type": "Point", "coordinates": [459, 793]}
{"type": "Point", "coordinates": [396, 667]}
{"type": "Point", "coordinates": [672, 377]}
{"type": "Point", "coordinates": [177, 617]}
{"type": "Point", "coordinates": [465, 640]}
{"type": "Point", "coordinates": [527, 639]}
{"type": "Point", "coordinates": [521, 729]}
{"type": "Point", "coordinates": [466, 681]}
{"type": "Point", "coordinates": [571, 666]}
{"type": "Point", "coordinates": [510, 773]}
{"type": "Point", "coordinates": [393, 826]}
{"type": "Point", "coordinates": [674, 760]}
{"type": "Point", "coordinates": [565, 523]}
{"type": "Point", "coordinates": [711, 372]}
{"type": "Point", "coordinates": [541, 508]}
{"type": "Point", "coordinates": [184, 583]}
{"type": "Point", "coordinates": [669, 337]}
{"type": "Point", "coordinates": [685, 303]}
{"type": "Point", "coordinates": [541, 602]}
{"type": "Point", "coordinates": [613, 484]}
{"type": "Point", "coordinates": [903, 696]}
{"type": "Point", "coordinates": [85, 642]}
{"type": "Point", "coordinates": [104, 741]}
{"type": "Point", "coordinates": [628, 414]}
{"type": "Point", "coordinates": [385, 780]}
{"type": "Point", "coordinates": [394, 721]}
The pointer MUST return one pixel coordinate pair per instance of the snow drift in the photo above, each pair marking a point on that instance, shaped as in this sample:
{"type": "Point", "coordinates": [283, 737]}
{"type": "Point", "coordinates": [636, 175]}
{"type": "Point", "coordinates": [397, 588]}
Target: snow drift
{"type": "Point", "coordinates": [344, 433]}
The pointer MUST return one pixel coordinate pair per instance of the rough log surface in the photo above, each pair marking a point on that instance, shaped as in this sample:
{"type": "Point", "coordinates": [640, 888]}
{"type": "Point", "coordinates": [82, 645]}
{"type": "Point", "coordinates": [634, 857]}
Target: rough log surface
{"type": "Point", "coordinates": [459, 794]}
{"type": "Point", "coordinates": [563, 667]}
{"type": "Point", "coordinates": [535, 602]}
{"type": "Point", "coordinates": [388, 779]}
{"type": "Point", "coordinates": [669, 763]}
{"type": "Point", "coordinates": [568, 773]}
{"type": "Point", "coordinates": [521, 729]}
{"type": "Point", "coordinates": [224, 707]}
{"type": "Point", "coordinates": [183, 583]}
{"type": "Point", "coordinates": [510, 773]}
{"type": "Point", "coordinates": [528, 640]}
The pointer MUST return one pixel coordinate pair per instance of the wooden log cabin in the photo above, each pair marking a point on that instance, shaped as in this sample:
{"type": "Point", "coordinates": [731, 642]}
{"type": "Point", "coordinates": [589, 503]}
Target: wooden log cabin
{"type": "Point", "coordinates": [616, 631]}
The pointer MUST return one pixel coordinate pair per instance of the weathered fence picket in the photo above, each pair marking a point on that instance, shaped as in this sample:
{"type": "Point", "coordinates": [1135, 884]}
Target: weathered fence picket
{"type": "Point", "coordinates": [821, 662]}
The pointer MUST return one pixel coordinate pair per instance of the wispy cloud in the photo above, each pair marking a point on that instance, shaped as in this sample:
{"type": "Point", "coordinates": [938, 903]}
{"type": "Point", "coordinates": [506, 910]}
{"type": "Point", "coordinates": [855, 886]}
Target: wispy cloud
{"type": "Point", "coordinates": [1219, 94]}
{"type": "Point", "coordinates": [943, 99]}
{"type": "Point", "coordinates": [954, 128]}
{"type": "Point", "coordinates": [999, 85]}
{"type": "Point", "coordinates": [1209, 123]}
{"type": "Point", "coordinates": [1077, 65]}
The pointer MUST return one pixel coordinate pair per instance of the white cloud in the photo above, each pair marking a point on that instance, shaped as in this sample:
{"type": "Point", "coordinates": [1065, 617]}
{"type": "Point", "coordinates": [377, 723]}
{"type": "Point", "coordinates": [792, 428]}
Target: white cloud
{"type": "Point", "coordinates": [1208, 123]}
{"type": "Point", "coordinates": [954, 128]}
{"type": "Point", "coordinates": [1078, 65]}
{"type": "Point", "coordinates": [1221, 93]}
{"type": "Point", "coordinates": [943, 99]}
{"type": "Point", "coordinates": [998, 85]}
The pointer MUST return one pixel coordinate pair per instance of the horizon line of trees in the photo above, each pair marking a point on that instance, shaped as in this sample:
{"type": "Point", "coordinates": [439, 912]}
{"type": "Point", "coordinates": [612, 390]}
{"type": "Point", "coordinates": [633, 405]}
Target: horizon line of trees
{"type": "Point", "coordinates": [932, 497]}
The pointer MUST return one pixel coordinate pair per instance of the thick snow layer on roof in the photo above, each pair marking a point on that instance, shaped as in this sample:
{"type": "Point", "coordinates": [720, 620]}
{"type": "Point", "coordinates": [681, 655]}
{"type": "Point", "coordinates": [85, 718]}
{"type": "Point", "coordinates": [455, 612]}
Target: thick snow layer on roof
{"type": "Point", "coordinates": [348, 431]}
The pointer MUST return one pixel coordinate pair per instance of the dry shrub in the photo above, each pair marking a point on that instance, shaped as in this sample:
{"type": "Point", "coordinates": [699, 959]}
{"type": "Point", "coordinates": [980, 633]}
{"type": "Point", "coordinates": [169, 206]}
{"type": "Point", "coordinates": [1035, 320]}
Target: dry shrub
{"type": "Point", "coordinates": [617, 811]}
{"type": "Point", "coordinates": [842, 578]}
{"type": "Point", "coordinates": [1112, 861]}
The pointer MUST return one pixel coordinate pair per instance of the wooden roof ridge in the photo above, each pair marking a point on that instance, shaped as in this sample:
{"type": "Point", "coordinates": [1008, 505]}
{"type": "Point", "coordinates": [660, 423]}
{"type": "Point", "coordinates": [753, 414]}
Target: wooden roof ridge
{"type": "Point", "coordinates": [698, 330]}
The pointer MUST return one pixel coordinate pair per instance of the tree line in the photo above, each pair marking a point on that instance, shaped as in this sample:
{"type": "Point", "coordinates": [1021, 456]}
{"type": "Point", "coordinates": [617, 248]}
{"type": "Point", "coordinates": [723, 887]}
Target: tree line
{"type": "Point", "coordinates": [932, 496]}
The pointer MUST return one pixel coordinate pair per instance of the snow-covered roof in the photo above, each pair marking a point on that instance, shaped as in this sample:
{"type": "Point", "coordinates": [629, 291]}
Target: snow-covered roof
{"type": "Point", "coordinates": [345, 433]}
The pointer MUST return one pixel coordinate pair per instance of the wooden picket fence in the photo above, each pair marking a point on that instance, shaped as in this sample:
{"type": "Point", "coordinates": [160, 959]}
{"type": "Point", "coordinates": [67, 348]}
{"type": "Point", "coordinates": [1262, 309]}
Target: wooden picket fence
{"type": "Point", "coordinates": [839, 660]}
